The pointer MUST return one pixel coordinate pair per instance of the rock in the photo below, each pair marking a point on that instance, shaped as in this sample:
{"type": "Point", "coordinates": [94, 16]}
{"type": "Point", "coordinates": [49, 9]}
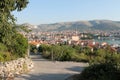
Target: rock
{"type": "Point", "coordinates": [11, 68]}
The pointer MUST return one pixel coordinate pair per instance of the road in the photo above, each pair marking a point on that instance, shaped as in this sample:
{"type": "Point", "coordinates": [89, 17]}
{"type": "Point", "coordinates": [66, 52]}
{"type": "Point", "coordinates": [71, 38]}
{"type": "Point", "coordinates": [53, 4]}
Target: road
{"type": "Point", "coordinates": [51, 70]}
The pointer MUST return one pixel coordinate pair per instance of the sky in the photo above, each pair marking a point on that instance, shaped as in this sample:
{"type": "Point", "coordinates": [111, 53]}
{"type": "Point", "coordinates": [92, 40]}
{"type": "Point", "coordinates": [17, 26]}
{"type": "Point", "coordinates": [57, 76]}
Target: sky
{"type": "Point", "coordinates": [53, 11]}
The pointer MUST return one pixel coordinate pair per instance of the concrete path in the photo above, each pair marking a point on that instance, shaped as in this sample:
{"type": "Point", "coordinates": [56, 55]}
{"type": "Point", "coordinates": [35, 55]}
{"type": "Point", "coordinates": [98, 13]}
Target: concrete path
{"type": "Point", "coordinates": [49, 70]}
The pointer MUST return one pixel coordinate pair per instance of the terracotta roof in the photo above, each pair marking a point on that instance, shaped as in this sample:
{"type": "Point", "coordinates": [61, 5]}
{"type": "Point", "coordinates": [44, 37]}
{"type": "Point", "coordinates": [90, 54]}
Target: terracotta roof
{"type": "Point", "coordinates": [34, 43]}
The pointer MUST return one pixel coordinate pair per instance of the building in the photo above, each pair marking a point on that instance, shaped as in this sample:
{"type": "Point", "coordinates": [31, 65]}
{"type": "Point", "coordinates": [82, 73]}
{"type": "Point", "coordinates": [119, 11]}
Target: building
{"type": "Point", "coordinates": [75, 38]}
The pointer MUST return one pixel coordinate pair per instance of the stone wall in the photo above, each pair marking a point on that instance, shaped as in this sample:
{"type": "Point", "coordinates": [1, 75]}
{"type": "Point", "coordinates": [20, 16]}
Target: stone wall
{"type": "Point", "coordinates": [8, 70]}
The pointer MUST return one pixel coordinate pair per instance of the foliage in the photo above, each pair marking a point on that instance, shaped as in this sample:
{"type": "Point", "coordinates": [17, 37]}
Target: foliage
{"type": "Point", "coordinates": [103, 71]}
{"type": "Point", "coordinates": [6, 56]}
{"type": "Point", "coordinates": [78, 53]}
{"type": "Point", "coordinates": [104, 63]}
{"type": "Point", "coordinates": [13, 43]}
{"type": "Point", "coordinates": [58, 52]}
{"type": "Point", "coordinates": [7, 6]}
{"type": "Point", "coordinates": [104, 66]}
{"type": "Point", "coordinates": [3, 48]}
{"type": "Point", "coordinates": [19, 45]}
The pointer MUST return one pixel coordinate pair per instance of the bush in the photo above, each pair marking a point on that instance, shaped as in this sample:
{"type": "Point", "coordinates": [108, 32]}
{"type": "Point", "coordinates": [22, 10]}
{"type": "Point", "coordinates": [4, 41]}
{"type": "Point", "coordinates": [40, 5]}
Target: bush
{"type": "Point", "coordinates": [82, 58]}
{"type": "Point", "coordinates": [17, 48]}
{"type": "Point", "coordinates": [103, 68]}
{"type": "Point", "coordinates": [1, 58]}
{"type": "Point", "coordinates": [3, 48]}
{"type": "Point", "coordinates": [46, 54]}
{"type": "Point", "coordinates": [104, 71]}
{"type": "Point", "coordinates": [34, 49]}
{"type": "Point", "coordinates": [68, 53]}
{"type": "Point", "coordinates": [6, 56]}
{"type": "Point", "coordinates": [77, 53]}
{"type": "Point", "coordinates": [19, 45]}
{"type": "Point", "coordinates": [45, 49]}
{"type": "Point", "coordinates": [106, 58]}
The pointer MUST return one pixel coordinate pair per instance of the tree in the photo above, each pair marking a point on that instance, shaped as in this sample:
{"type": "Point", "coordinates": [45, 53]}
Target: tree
{"type": "Point", "coordinates": [7, 21]}
{"type": "Point", "coordinates": [7, 6]}
{"type": "Point", "coordinates": [6, 18]}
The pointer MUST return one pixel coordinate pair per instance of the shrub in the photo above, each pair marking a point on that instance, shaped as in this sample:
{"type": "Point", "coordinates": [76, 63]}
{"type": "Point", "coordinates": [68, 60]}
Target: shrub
{"type": "Point", "coordinates": [46, 54]}
{"type": "Point", "coordinates": [3, 48]}
{"type": "Point", "coordinates": [6, 56]}
{"type": "Point", "coordinates": [1, 58]}
{"type": "Point", "coordinates": [82, 58]}
{"type": "Point", "coordinates": [104, 71]}
{"type": "Point", "coordinates": [68, 53]}
{"type": "Point", "coordinates": [77, 53]}
{"type": "Point", "coordinates": [103, 68]}
{"type": "Point", "coordinates": [19, 45]}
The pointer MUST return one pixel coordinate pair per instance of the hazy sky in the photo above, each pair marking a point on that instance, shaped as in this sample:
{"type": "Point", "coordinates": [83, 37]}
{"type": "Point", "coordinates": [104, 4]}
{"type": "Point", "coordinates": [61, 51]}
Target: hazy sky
{"type": "Point", "coordinates": [52, 11]}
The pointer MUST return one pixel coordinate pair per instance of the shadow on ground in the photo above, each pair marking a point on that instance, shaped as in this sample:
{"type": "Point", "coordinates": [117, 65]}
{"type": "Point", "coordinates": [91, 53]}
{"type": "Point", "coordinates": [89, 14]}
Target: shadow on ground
{"type": "Point", "coordinates": [48, 70]}
{"type": "Point", "coordinates": [76, 69]}
{"type": "Point", "coordinates": [45, 76]}
{"type": "Point", "coordinates": [51, 76]}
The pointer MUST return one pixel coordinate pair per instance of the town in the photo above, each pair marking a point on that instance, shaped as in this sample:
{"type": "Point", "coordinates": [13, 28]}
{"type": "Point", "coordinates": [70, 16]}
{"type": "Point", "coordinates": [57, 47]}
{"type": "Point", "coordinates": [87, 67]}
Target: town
{"type": "Point", "coordinates": [73, 37]}
{"type": "Point", "coordinates": [59, 40]}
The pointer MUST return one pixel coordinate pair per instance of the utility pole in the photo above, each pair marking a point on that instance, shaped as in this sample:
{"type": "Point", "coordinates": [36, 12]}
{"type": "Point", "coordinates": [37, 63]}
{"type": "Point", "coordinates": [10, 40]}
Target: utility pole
{"type": "Point", "coordinates": [28, 52]}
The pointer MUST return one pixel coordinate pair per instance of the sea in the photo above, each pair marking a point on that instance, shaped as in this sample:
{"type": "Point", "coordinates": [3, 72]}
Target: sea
{"type": "Point", "coordinates": [109, 40]}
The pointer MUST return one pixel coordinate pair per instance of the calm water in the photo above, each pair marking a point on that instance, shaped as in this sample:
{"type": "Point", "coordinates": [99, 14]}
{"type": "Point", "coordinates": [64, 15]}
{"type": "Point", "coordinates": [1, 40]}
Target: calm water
{"type": "Point", "coordinates": [109, 41]}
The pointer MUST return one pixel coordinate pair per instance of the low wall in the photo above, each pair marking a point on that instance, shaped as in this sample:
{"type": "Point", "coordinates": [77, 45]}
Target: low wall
{"type": "Point", "coordinates": [8, 70]}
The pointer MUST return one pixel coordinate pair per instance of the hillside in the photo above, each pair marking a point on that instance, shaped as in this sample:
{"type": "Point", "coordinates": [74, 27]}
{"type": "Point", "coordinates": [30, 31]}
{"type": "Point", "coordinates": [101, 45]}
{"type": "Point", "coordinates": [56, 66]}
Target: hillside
{"type": "Point", "coordinates": [105, 25]}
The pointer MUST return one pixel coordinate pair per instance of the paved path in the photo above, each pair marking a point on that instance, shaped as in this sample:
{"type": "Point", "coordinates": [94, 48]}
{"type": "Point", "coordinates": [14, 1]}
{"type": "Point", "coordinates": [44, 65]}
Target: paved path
{"type": "Point", "coordinates": [49, 70]}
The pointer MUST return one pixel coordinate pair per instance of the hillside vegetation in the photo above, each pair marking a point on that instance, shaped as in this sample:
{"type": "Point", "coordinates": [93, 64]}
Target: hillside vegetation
{"type": "Point", "coordinates": [106, 25]}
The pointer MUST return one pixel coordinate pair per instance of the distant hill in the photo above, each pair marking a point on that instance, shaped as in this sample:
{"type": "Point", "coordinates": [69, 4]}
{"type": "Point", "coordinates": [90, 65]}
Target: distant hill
{"type": "Point", "coordinates": [29, 26]}
{"type": "Point", "coordinates": [105, 25]}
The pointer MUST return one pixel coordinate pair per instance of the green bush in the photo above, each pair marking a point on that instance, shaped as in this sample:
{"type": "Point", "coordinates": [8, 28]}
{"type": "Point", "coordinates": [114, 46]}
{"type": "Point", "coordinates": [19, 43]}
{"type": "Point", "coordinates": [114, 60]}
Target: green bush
{"type": "Point", "coordinates": [19, 45]}
{"type": "Point", "coordinates": [78, 53]}
{"type": "Point", "coordinates": [106, 58]}
{"type": "Point", "coordinates": [12, 41]}
{"type": "Point", "coordinates": [81, 58]}
{"type": "Point", "coordinates": [46, 50]}
{"type": "Point", "coordinates": [46, 54]}
{"type": "Point", "coordinates": [3, 47]}
{"type": "Point", "coordinates": [1, 58]}
{"type": "Point", "coordinates": [104, 71]}
{"type": "Point", "coordinates": [103, 68]}
{"type": "Point", "coordinates": [68, 53]}
{"type": "Point", "coordinates": [6, 56]}
{"type": "Point", "coordinates": [32, 47]}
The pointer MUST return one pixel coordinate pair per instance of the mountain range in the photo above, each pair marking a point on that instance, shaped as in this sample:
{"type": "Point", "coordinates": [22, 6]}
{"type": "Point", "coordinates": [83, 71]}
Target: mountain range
{"type": "Point", "coordinates": [105, 25]}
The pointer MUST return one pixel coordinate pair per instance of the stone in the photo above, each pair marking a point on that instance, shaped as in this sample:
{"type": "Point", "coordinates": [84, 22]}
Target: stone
{"type": "Point", "coordinates": [11, 68]}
